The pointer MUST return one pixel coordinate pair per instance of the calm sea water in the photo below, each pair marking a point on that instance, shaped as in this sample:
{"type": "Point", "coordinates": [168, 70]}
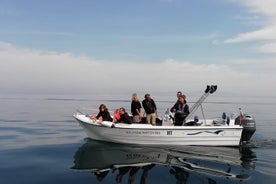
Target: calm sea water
{"type": "Point", "coordinates": [40, 142]}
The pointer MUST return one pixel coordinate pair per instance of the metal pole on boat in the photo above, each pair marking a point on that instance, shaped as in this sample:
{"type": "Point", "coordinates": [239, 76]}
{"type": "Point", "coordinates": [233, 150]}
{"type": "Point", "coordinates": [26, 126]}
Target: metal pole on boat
{"type": "Point", "coordinates": [209, 90]}
{"type": "Point", "coordinates": [203, 114]}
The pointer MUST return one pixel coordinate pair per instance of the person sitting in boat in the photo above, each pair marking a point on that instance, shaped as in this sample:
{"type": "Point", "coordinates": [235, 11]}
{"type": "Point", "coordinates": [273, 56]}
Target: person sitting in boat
{"type": "Point", "coordinates": [124, 117]}
{"type": "Point", "coordinates": [103, 114]}
{"type": "Point", "coordinates": [116, 115]}
{"type": "Point", "coordinates": [181, 110]}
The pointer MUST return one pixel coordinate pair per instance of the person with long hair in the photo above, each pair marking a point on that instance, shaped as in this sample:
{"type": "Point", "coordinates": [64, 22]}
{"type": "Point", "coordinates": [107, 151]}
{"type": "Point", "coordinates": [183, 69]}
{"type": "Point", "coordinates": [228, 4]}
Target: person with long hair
{"type": "Point", "coordinates": [136, 108]}
{"type": "Point", "coordinates": [103, 114]}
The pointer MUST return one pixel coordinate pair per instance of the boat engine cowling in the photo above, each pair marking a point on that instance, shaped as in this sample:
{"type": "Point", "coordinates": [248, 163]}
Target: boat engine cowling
{"type": "Point", "coordinates": [249, 126]}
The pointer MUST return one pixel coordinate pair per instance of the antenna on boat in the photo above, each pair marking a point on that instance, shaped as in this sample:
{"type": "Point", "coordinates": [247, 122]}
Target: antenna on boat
{"type": "Point", "coordinates": [209, 90]}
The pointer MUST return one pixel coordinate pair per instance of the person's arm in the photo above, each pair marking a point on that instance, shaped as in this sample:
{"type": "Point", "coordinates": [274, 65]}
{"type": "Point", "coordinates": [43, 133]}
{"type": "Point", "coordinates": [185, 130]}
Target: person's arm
{"type": "Point", "coordinates": [98, 115]}
{"type": "Point", "coordinates": [144, 105]}
{"type": "Point", "coordinates": [132, 109]}
{"type": "Point", "coordinates": [154, 105]}
{"type": "Point", "coordinates": [174, 108]}
{"type": "Point", "coordinates": [139, 111]}
{"type": "Point", "coordinates": [186, 109]}
{"type": "Point", "coordinates": [93, 116]}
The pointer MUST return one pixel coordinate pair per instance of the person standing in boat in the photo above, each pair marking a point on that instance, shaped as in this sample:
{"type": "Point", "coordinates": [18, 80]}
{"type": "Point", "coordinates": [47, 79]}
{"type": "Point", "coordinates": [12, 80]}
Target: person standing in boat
{"type": "Point", "coordinates": [103, 114]}
{"type": "Point", "coordinates": [150, 109]}
{"type": "Point", "coordinates": [136, 108]}
{"type": "Point", "coordinates": [181, 110]}
{"type": "Point", "coordinates": [124, 117]}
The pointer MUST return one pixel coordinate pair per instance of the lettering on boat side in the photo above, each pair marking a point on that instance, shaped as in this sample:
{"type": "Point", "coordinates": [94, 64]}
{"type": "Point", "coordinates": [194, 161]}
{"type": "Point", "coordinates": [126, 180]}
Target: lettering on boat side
{"type": "Point", "coordinates": [169, 132]}
{"type": "Point", "coordinates": [143, 132]}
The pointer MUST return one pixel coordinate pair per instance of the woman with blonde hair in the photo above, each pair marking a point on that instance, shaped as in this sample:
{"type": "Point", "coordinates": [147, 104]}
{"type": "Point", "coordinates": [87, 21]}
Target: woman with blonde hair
{"type": "Point", "coordinates": [136, 108]}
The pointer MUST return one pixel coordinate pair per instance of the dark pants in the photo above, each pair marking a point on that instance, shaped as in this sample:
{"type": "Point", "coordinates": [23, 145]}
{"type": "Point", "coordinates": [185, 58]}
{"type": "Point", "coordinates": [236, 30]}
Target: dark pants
{"type": "Point", "coordinates": [179, 119]}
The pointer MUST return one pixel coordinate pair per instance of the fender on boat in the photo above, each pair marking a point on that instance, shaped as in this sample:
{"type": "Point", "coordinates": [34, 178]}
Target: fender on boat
{"type": "Point", "coordinates": [107, 124]}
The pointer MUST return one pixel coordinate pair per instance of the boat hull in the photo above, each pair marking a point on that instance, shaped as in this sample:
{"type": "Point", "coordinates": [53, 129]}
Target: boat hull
{"type": "Point", "coordinates": [145, 134]}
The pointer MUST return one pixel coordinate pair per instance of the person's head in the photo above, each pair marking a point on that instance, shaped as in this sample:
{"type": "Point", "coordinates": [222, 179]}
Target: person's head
{"type": "Point", "coordinates": [182, 98]}
{"type": "Point", "coordinates": [102, 107]}
{"type": "Point", "coordinates": [147, 96]}
{"type": "Point", "coordinates": [122, 110]}
{"type": "Point", "coordinates": [178, 94]}
{"type": "Point", "coordinates": [134, 97]}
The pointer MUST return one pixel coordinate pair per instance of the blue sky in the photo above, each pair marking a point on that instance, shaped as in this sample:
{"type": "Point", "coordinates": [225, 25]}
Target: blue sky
{"type": "Point", "coordinates": [126, 30]}
{"type": "Point", "coordinates": [227, 42]}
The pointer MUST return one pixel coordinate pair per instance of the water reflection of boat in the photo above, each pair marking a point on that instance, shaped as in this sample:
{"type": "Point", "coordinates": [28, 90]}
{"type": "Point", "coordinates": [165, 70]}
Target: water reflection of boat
{"type": "Point", "coordinates": [101, 157]}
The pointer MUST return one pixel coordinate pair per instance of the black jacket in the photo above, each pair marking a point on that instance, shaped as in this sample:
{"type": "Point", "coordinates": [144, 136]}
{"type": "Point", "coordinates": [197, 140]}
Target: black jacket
{"type": "Point", "coordinates": [181, 108]}
{"type": "Point", "coordinates": [105, 115]}
{"type": "Point", "coordinates": [135, 105]}
{"type": "Point", "coordinates": [125, 118]}
{"type": "Point", "coordinates": [149, 106]}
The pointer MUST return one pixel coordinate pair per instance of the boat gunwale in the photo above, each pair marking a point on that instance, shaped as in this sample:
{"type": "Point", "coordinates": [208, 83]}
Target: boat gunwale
{"type": "Point", "coordinates": [150, 127]}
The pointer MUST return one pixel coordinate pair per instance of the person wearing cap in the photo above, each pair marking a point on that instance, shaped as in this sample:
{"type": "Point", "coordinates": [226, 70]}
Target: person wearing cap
{"type": "Point", "coordinates": [178, 94]}
{"type": "Point", "coordinates": [150, 109]}
{"type": "Point", "coordinates": [181, 110]}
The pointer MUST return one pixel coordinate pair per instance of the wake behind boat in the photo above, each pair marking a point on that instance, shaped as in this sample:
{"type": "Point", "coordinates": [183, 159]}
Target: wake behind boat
{"type": "Point", "coordinates": [206, 132]}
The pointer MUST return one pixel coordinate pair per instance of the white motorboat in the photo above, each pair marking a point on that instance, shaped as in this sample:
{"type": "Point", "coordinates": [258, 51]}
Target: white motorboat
{"type": "Point", "coordinates": [206, 132]}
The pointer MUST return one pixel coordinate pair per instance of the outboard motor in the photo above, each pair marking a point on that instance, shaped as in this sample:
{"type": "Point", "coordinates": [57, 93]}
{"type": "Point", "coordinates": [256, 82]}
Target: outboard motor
{"type": "Point", "coordinates": [249, 126]}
